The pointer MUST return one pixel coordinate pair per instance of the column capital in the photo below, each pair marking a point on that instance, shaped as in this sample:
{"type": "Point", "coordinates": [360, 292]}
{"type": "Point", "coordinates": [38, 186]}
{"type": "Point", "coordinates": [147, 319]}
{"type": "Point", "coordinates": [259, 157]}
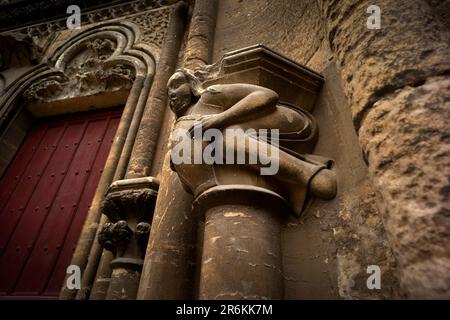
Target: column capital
{"type": "Point", "coordinates": [131, 198]}
{"type": "Point", "coordinates": [129, 205]}
{"type": "Point", "coordinates": [240, 194]}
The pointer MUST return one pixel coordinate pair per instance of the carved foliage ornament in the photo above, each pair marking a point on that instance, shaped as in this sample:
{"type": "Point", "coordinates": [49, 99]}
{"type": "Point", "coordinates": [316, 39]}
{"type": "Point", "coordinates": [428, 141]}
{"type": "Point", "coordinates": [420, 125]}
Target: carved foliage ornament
{"type": "Point", "coordinates": [115, 237]}
{"type": "Point", "coordinates": [151, 16]}
{"type": "Point", "coordinates": [153, 26]}
{"type": "Point", "coordinates": [120, 205]}
{"type": "Point", "coordinates": [129, 206]}
{"type": "Point", "coordinates": [87, 74]}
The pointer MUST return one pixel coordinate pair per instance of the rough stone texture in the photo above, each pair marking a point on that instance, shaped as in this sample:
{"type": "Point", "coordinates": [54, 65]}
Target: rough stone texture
{"type": "Point", "coordinates": [404, 126]}
{"type": "Point", "coordinates": [441, 9]}
{"type": "Point", "coordinates": [407, 142]}
{"type": "Point", "coordinates": [361, 242]}
{"type": "Point", "coordinates": [410, 46]}
{"type": "Point", "coordinates": [358, 231]}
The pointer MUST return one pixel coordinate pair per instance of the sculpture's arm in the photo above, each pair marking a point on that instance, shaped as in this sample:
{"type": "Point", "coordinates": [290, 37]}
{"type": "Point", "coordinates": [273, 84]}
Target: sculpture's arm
{"type": "Point", "coordinates": [245, 102]}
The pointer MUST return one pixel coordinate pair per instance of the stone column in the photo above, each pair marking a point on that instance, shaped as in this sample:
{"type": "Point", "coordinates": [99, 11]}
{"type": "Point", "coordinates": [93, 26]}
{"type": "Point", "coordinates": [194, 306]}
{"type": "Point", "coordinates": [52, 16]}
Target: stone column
{"type": "Point", "coordinates": [83, 256]}
{"type": "Point", "coordinates": [241, 257]}
{"type": "Point", "coordinates": [129, 206]}
{"type": "Point", "coordinates": [170, 262]}
{"type": "Point", "coordinates": [396, 79]}
{"type": "Point", "coordinates": [142, 155]}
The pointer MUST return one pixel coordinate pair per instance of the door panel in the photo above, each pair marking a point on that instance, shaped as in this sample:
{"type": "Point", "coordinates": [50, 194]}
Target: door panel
{"type": "Point", "coordinates": [74, 231]}
{"type": "Point", "coordinates": [47, 191]}
{"type": "Point", "coordinates": [24, 156]}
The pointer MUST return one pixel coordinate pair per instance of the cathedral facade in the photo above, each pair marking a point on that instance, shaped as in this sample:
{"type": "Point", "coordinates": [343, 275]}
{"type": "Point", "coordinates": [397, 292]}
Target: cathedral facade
{"type": "Point", "coordinates": [339, 111]}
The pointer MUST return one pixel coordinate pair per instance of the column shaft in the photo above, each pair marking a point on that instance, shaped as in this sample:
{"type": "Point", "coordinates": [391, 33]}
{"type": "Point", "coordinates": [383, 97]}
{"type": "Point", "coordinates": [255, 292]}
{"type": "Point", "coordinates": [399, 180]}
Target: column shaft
{"type": "Point", "coordinates": [241, 254]}
{"type": "Point", "coordinates": [126, 277]}
{"type": "Point", "coordinates": [169, 267]}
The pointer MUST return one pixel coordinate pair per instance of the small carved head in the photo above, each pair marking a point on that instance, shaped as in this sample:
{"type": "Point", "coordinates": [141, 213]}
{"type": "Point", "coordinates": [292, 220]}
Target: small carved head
{"type": "Point", "coordinates": [183, 89]}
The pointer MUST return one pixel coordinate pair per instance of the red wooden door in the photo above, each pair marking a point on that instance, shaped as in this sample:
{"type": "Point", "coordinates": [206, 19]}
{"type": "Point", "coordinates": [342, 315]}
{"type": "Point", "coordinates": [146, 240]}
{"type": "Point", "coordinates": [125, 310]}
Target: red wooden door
{"type": "Point", "coordinates": [44, 198]}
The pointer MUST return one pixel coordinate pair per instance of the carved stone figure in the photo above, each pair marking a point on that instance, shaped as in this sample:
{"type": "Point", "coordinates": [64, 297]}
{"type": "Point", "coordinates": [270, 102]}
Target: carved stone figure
{"type": "Point", "coordinates": [115, 237]}
{"type": "Point", "coordinates": [246, 106]}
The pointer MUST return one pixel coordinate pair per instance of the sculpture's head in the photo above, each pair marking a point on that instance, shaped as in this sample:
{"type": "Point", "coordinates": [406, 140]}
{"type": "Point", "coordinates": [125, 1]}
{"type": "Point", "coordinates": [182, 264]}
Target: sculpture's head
{"type": "Point", "coordinates": [184, 88]}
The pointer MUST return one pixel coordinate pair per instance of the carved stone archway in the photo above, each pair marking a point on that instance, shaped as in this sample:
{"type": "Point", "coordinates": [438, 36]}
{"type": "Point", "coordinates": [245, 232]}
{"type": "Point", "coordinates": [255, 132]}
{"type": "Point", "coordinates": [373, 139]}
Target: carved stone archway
{"type": "Point", "coordinates": [110, 52]}
{"type": "Point", "coordinates": [99, 66]}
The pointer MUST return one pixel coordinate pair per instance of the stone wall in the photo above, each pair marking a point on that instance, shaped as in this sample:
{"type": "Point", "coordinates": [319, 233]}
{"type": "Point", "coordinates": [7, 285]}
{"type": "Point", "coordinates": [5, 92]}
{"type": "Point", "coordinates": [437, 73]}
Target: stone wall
{"type": "Point", "coordinates": [383, 116]}
{"type": "Point", "coordinates": [396, 79]}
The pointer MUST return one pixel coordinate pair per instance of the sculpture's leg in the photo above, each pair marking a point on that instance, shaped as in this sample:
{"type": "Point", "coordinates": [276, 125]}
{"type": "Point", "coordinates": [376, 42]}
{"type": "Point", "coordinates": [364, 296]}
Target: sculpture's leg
{"type": "Point", "coordinates": [322, 181]}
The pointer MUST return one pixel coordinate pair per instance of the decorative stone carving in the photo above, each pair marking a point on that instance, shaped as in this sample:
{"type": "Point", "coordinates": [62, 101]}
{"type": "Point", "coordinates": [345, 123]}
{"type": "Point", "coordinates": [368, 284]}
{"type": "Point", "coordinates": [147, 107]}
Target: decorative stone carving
{"type": "Point", "coordinates": [45, 89]}
{"type": "Point", "coordinates": [86, 74]}
{"type": "Point", "coordinates": [121, 204]}
{"type": "Point", "coordinates": [248, 106]}
{"type": "Point", "coordinates": [153, 26]}
{"type": "Point", "coordinates": [102, 48]}
{"type": "Point", "coordinates": [142, 233]}
{"type": "Point", "coordinates": [115, 237]}
{"type": "Point", "coordinates": [151, 16]}
{"type": "Point", "coordinates": [129, 206]}
{"type": "Point", "coordinates": [253, 89]}
{"type": "Point", "coordinates": [108, 12]}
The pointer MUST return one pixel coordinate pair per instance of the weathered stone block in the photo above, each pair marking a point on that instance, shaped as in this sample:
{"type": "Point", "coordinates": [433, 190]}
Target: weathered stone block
{"type": "Point", "coordinates": [406, 140]}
